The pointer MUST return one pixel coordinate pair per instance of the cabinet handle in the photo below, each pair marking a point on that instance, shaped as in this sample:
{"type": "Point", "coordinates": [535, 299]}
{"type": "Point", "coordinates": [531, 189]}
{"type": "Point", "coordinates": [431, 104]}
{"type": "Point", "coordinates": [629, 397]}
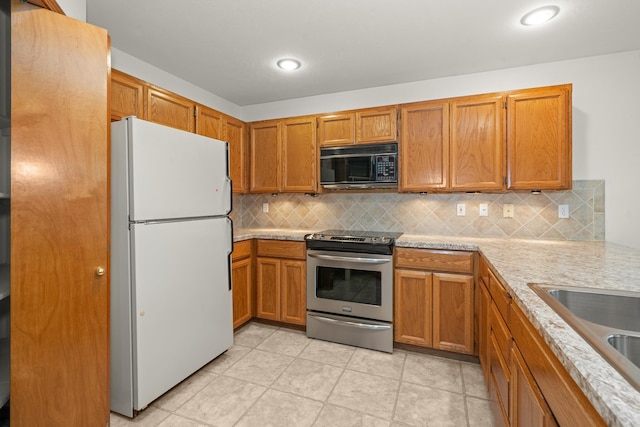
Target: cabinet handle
{"type": "Point", "coordinates": [99, 271]}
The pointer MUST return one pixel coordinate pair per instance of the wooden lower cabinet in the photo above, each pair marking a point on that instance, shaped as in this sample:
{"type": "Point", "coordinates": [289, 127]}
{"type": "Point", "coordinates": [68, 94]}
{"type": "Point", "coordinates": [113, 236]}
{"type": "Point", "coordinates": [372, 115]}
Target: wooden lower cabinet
{"type": "Point", "coordinates": [281, 281]}
{"type": "Point", "coordinates": [241, 279]}
{"type": "Point", "coordinates": [433, 308]}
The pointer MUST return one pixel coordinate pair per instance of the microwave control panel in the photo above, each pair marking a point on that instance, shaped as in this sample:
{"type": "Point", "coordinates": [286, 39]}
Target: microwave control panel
{"type": "Point", "coordinates": [385, 168]}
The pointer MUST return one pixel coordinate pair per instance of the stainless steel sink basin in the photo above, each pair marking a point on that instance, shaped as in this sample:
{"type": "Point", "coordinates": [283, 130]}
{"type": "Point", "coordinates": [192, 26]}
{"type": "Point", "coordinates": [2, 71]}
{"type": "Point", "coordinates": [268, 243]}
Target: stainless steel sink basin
{"type": "Point", "coordinates": [608, 320]}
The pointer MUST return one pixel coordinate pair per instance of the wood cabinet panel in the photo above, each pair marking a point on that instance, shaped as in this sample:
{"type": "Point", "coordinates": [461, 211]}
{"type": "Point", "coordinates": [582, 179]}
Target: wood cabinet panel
{"type": "Point", "coordinates": [241, 277]}
{"type": "Point", "coordinates": [208, 122]}
{"type": "Point", "coordinates": [169, 109]}
{"type": "Point", "coordinates": [268, 288]}
{"type": "Point", "coordinates": [266, 147]}
{"type": "Point", "coordinates": [501, 297]}
{"type": "Point", "coordinates": [440, 260]}
{"type": "Point", "coordinates": [376, 125]}
{"type": "Point", "coordinates": [235, 133]}
{"type": "Point", "coordinates": [127, 96]}
{"type": "Point", "coordinates": [424, 151]}
{"type": "Point", "coordinates": [499, 379]}
{"type": "Point", "coordinates": [59, 373]}
{"type": "Point", "coordinates": [337, 129]}
{"type": "Point", "coordinates": [453, 312]}
{"type": "Point", "coordinates": [299, 155]}
{"type": "Point", "coordinates": [282, 249]}
{"type": "Point", "coordinates": [539, 138]}
{"type": "Point", "coordinates": [484, 302]}
{"type": "Point", "coordinates": [294, 292]}
{"type": "Point", "coordinates": [413, 322]}
{"type": "Point", "coordinates": [241, 250]}
{"type": "Point", "coordinates": [477, 144]}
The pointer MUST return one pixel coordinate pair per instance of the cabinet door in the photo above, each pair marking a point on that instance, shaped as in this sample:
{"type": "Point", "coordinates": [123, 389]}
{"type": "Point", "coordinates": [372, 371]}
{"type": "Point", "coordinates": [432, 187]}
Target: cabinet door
{"type": "Point", "coordinates": [59, 220]}
{"type": "Point", "coordinates": [169, 109]}
{"type": "Point", "coordinates": [293, 292]}
{"type": "Point", "coordinates": [376, 125]}
{"type": "Point", "coordinates": [528, 407]}
{"type": "Point", "coordinates": [484, 301]}
{"type": "Point", "coordinates": [453, 312]}
{"type": "Point", "coordinates": [265, 151]}
{"type": "Point", "coordinates": [241, 282]}
{"type": "Point", "coordinates": [235, 133]}
{"type": "Point", "coordinates": [412, 307]}
{"type": "Point", "coordinates": [299, 155]}
{"type": "Point", "coordinates": [208, 122]}
{"type": "Point", "coordinates": [337, 129]}
{"type": "Point", "coordinates": [424, 151]}
{"type": "Point", "coordinates": [539, 139]}
{"type": "Point", "coordinates": [127, 96]}
{"type": "Point", "coordinates": [477, 153]}
{"type": "Point", "coordinates": [268, 287]}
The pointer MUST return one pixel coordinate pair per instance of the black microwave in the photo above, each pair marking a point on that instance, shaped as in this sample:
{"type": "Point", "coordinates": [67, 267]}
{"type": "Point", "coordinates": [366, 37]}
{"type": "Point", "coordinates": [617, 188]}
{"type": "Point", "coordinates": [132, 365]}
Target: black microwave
{"type": "Point", "coordinates": [359, 166]}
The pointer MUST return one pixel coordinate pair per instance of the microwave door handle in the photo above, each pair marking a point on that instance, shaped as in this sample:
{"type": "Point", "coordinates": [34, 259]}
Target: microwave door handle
{"type": "Point", "coordinates": [350, 259]}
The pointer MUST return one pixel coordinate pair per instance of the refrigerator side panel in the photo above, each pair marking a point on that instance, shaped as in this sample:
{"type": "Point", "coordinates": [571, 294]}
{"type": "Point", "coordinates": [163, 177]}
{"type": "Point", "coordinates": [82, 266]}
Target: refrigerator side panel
{"type": "Point", "coordinates": [120, 322]}
{"type": "Point", "coordinates": [176, 174]}
{"type": "Point", "coordinates": [183, 307]}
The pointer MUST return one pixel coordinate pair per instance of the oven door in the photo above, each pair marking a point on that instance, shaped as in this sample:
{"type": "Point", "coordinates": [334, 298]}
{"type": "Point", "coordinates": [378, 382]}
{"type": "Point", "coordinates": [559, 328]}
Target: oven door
{"type": "Point", "coordinates": [351, 284]}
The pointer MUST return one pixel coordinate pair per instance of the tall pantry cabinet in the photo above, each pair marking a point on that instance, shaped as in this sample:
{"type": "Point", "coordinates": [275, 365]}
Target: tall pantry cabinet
{"type": "Point", "coordinates": [59, 220]}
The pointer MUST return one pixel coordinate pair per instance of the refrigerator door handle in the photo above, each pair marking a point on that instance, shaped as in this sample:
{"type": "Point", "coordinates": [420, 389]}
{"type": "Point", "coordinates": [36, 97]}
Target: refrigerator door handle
{"type": "Point", "coordinates": [230, 183]}
{"type": "Point", "coordinates": [230, 253]}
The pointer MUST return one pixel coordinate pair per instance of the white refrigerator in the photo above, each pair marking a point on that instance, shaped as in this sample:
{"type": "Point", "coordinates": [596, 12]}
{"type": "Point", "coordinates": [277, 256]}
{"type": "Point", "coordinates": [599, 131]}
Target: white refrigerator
{"type": "Point", "coordinates": [171, 244]}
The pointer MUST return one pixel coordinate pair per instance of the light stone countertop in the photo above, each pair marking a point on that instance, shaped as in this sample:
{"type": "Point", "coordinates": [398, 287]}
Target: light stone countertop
{"type": "Point", "coordinates": [519, 262]}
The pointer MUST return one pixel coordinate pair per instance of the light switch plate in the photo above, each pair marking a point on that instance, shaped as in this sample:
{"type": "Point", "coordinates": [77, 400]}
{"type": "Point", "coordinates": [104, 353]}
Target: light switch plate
{"type": "Point", "coordinates": [507, 210]}
{"type": "Point", "coordinates": [265, 207]}
{"type": "Point", "coordinates": [484, 209]}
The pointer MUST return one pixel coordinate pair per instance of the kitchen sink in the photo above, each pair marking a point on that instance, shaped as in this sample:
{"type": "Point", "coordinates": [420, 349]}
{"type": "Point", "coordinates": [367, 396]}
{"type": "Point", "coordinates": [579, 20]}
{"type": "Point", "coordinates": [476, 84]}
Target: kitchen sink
{"type": "Point", "coordinates": [608, 320]}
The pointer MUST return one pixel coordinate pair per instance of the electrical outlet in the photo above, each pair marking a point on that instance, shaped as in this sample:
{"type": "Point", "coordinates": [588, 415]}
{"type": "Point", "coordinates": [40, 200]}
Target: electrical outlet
{"type": "Point", "coordinates": [460, 209]}
{"type": "Point", "coordinates": [484, 209]}
{"type": "Point", "coordinates": [507, 210]}
{"type": "Point", "coordinates": [265, 207]}
{"type": "Point", "coordinates": [563, 211]}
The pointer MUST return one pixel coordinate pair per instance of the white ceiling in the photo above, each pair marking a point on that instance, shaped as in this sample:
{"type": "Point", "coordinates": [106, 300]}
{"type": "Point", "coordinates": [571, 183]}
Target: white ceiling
{"type": "Point", "coordinates": [229, 47]}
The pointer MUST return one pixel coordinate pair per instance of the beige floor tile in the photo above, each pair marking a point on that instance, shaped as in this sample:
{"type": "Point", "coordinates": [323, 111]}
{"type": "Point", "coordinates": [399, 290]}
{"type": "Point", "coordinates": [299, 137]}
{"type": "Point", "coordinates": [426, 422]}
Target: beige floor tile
{"type": "Point", "coordinates": [366, 393]}
{"type": "Point", "coordinates": [184, 391]}
{"type": "Point", "coordinates": [378, 363]}
{"type": "Point", "coordinates": [253, 334]}
{"type": "Point", "coordinates": [328, 352]}
{"type": "Point", "coordinates": [279, 409]}
{"type": "Point", "coordinates": [282, 341]}
{"type": "Point", "coordinates": [473, 379]}
{"type": "Point", "coordinates": [479, 411]}
{"type": "Point", "coordinates": [227, 359]}
{"type": "Point", "coordinates": [423, 406]}
{"type": "Point", "coordinates": [150, 417]}
{"type": "Point", "coordinates": [434, 372]}
{"type": "Point", "coordinates": [222, 402]}
{"type": "Point", "coordinates": [308, 379]}
{"type": "Point", "coordinates": [178, 421]}
{"type": "Point", "coordinates": [335, 416]}
{"type": "Point", "coordinates": [260, 367]}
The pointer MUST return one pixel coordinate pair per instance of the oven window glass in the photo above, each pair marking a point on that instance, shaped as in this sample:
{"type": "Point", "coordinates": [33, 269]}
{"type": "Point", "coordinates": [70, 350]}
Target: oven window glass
{"type": "Point", "coordinates": [349, 285]}
{"type": "Point", "coordinates": [346, 169]}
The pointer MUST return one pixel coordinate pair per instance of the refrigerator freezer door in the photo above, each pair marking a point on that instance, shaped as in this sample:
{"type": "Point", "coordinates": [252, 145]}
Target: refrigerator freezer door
{"type": "Point", "coordinates": [182, 302]}
{"type": "Point", "coordinates": [175, 174]}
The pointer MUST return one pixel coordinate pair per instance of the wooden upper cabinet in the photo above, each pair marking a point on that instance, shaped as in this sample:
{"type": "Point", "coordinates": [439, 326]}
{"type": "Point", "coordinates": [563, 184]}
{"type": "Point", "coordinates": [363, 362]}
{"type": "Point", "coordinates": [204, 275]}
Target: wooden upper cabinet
{"type": "Point", "coordinates": [299, 155]}
{"type": "Point", "coordinates": [424, 151]}
{"type": "Point", "coordinates": [266, 145]}
{"type": "Point", "coordinates": [376, 125]}
{"type": "Point", "coordinates": [477, 153]}
{"type": "Point", "coordinates": [539, 138]}
{"type": "Point", "coordinates": [235, 133]}
{"type": "Point", "coordinates": [337, 129]}
{"type": "Point", "coordinates": [208, 122]}
{"type": "Point", "coordinates": [127, 96]}
{"type": "Point", "coordinates": [169, 109]}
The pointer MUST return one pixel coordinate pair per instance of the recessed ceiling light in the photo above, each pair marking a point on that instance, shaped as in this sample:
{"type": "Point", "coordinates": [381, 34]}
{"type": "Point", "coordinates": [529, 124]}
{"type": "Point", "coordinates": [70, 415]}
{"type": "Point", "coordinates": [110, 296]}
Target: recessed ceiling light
{"type": "Point", "coordinates": [540, 15]}
{"type": "Point", "coordinates": [288, 64]}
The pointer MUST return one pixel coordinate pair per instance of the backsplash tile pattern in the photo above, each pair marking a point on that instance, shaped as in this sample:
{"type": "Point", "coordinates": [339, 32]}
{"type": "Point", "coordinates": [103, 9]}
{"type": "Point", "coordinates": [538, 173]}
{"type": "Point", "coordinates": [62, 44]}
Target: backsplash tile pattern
{"type": "Point", "coordinates": [535, 215]}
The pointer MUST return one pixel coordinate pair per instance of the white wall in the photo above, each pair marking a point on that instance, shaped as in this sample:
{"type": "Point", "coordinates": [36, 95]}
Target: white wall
{"type": "Point", "coordinates": [76, 9]}
{"type": "Point", "coordinates": [606, 120]}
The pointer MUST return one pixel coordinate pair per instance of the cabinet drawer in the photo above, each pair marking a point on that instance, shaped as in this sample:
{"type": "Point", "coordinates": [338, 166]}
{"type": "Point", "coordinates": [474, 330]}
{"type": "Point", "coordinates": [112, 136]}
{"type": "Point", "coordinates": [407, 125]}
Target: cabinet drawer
{"type": "Point", "coordinates": [430, 259]}
{"type": "Point", "coordinates": [241, 250]}
{"type": "Point", "coordinates": [500, 296]}
{"type": "Point", "coordinates": [282, 249]}
{"type": "Point", "coordinates": [501, 333]}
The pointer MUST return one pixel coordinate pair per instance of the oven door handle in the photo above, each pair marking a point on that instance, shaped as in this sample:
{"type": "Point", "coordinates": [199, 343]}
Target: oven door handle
{"type": "Point", "coordinates": [352, 324]}
{"type": "Point", "coordinates": [350, 259]}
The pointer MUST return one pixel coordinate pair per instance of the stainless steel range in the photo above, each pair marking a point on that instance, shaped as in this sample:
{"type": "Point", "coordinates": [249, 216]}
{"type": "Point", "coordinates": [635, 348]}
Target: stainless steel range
{"type": "Point", "coordinates": [350, 287]}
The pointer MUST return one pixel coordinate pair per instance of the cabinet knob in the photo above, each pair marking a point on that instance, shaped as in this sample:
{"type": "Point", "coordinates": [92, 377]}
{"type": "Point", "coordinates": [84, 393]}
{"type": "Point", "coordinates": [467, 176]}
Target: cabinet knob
{"type": "Point", "coordinates": [99, 271]}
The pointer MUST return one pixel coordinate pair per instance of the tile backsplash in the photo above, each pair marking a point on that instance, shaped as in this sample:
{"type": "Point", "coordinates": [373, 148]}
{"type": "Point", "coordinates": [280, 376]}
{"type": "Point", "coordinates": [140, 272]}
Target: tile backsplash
{"type": "Point", "coordinates": [535, 215]}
